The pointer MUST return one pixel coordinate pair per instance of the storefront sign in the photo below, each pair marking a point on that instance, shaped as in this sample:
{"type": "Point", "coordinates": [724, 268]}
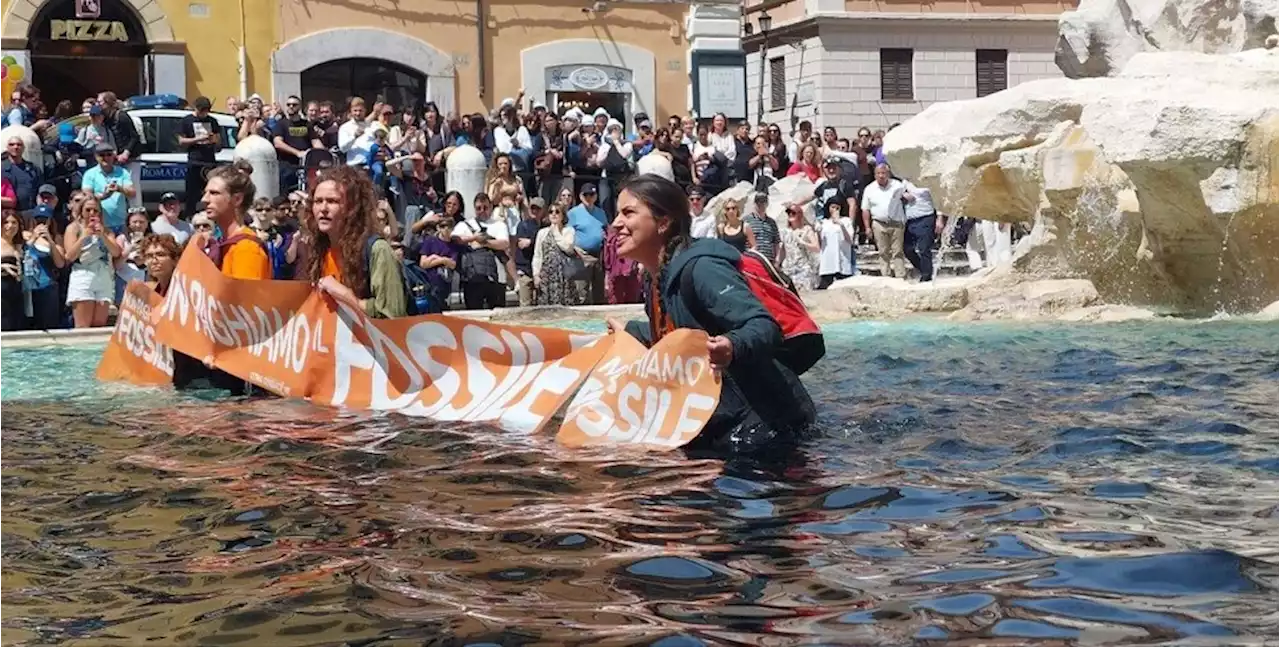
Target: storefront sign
{"type": "Point", "coordinates": [88, 30]}
{"type": "Point", "coordinates": [588, 78]}
{"type": "Point", "coordinates": [720, 84]}
{"type": "Point", "coordinates": [293, 341]}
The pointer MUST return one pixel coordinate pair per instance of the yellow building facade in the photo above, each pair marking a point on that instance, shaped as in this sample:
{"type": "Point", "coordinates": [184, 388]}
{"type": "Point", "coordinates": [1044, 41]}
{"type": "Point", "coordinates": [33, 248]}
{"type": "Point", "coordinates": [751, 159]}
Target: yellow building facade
{"type": "Point", "coordinates": [75, 48]}
{"type": "Point", "coordinates": [627, 57]}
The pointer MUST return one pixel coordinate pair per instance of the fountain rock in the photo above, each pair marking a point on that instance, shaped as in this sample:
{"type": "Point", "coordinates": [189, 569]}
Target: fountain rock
{"type": "Point", "coordinates": [1100, 36]}
{"type": "Point", "coordinates": [1158, 185]}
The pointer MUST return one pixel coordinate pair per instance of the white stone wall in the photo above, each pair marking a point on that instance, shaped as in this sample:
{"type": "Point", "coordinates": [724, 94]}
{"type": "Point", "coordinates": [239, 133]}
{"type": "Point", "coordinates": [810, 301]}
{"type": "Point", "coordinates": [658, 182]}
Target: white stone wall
{"type": "Point", "coordinates": [804, 63]}
{"type": "Point", "coordinates": [943, 67]}
{"type": "Point", "coordinates": [844, 62]}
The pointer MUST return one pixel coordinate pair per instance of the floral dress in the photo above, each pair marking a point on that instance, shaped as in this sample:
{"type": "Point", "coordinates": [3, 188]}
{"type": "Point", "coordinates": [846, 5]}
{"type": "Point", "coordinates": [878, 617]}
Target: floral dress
{"type": "Point", "coordinates": [555, 288]}
{"type": "Point", "coordinates": [800, 262]}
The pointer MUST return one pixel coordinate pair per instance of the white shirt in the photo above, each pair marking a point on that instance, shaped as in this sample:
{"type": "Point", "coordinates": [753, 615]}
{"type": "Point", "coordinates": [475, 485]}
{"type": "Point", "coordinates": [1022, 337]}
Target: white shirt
{"type": "Point", "coordinates": [703, 225]}
{"type": "Point", "coordinates": [602, 153]}
{"type": "Point", "coordinates": [884, 203]}
{"type": "Point", "coordinates": [497, 230]}
{"type": "Point", "coordinates": [923, 205]}
{"type": "Point", "coordinates": [505, 141]}
{"type": "Point", "coordinates": [836, 256]}
{"type": "Point", "coordinates": [180, 230]}
{"type": "Point", "coordinates": [357, 146]}
{"type": "Point", "coordinates": [724, 144]}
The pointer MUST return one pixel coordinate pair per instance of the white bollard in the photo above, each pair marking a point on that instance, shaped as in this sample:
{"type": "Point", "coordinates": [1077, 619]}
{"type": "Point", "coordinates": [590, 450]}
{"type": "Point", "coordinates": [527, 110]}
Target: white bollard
{"type": "Point", "coordinates": [260, 154]}
{"type": "Point", "coordinates": [465, 169]}
{"type": "Point", "coordinates": [33, 151]}
{"type": "Point", "coordinates": [656, 163]}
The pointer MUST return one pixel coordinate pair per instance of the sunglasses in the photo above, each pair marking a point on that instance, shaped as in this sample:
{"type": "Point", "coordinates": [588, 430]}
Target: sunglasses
{"type": "Point", "coordinates": [204, 226]}
{"type": "Point", "coordinates": [292, 104]}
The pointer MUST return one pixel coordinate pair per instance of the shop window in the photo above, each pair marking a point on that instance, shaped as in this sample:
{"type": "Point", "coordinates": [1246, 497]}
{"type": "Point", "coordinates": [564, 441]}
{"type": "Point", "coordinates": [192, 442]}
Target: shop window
{"type": "Point", "coordinates": [778, 83]}
{"type": "Point", "coordinates": [992, 70]}
{"type": "Point", "coordinates": [370, 78]}
{"type": "Point", "coordinates": [895, 75]}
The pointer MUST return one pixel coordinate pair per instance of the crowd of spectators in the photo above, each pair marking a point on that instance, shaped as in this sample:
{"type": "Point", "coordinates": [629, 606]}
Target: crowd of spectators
{"type": "Point", "coordinates": [539, 230]}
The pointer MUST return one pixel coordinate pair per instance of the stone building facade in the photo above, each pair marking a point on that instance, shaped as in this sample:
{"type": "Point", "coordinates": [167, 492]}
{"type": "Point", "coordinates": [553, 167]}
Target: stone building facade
{"type": "Point", "coordinates": [842, 64]}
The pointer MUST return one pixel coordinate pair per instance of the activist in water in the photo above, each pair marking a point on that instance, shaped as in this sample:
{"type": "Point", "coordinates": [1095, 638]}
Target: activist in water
{"type": "Point", "coordinates": [347, 259]}
{"type": "Point", "coordinates": [240, 255]}
{"type": "Point", "coordinates": [761, 400]}
{"type": "Point", "coordinates": [160, 253]}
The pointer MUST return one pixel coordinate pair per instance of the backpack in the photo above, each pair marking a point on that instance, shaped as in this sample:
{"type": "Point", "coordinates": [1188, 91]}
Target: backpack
{"type": "Point", "coordinates": [802, 341]}
{"type": "Point", "coordinates": [615, 164]}
{"type": "Point", "coordinates": [418, 292]}
{"type": "Point", "coordinates": [218, 250]}
{"type": "Point", "coordinates": [478, 265]}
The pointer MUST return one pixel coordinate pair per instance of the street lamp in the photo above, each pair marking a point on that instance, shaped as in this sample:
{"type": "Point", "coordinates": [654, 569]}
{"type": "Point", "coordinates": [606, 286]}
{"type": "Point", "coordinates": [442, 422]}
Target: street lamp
{"type": "Point", "coordinates": [765, 21]}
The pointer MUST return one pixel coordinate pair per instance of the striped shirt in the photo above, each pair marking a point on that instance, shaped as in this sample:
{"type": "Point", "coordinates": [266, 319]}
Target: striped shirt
{"type": "Point", "coordinates": [766, 234]}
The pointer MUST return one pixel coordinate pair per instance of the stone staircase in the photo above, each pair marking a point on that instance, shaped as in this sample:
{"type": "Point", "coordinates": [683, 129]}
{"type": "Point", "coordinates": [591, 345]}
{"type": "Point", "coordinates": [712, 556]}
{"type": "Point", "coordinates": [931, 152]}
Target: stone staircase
{"type": "Point", "coordinates": [948, 261]}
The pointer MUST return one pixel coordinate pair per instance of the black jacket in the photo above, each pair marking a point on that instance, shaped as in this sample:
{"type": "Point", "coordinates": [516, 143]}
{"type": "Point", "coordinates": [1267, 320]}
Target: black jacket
{"type": "Point", "coordinates": [761, 399]}
{"type": "Point", "coordinates": [125, 134]}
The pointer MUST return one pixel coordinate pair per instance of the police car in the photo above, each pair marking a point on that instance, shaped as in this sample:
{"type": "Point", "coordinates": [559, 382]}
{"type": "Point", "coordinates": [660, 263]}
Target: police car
{"type": "Point", "coordinates": [164, 163]}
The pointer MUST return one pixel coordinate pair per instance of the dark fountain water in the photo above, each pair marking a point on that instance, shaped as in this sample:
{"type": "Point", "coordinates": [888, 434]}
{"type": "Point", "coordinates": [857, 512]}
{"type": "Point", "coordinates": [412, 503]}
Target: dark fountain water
{"type": "Point", "coordinates": [985, 484]}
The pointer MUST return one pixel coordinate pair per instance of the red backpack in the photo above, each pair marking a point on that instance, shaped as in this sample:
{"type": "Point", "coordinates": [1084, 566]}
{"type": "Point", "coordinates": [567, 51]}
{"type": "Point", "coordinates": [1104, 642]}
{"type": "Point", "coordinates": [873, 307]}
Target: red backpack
{"type": "Point", "coordinates": [802, 341]}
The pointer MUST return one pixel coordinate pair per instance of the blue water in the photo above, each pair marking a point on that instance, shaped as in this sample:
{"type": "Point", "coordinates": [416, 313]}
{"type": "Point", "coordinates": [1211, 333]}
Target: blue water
{"type": "Point", "coordinates": [983, 484]}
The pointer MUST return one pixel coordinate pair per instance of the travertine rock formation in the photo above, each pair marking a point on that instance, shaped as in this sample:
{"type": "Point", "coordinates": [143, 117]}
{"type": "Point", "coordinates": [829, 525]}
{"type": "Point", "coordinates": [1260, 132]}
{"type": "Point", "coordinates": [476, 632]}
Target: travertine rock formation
{"type": "Point", "coordinates": [1159, 185]}
{"type": "Point", "coordinates": [1100, 36]}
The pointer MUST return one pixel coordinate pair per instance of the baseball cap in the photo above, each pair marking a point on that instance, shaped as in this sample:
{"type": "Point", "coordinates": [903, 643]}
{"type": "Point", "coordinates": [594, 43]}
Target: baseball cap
{"type": "Point", "coordinates": [95, 110]}
{"type": "Point", "coordinates": [538, 203]}
{"type": "Point", "coordinates": [169, 197]}
{"type": "Point", "coordinates": [588, 189]}
{"type": "Point", "coordinates": [47, 188]}
{"type": "Point", "coordinates": [697, 192]}
{"type": "Point", "coordinates": [202, 103]}
{"type": "Point", "coordinates": [44, 212]}
{"type": "Point", "coordinates": [104, 147]}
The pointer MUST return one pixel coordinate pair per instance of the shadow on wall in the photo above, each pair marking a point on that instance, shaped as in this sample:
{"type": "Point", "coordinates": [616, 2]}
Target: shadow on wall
{"type": "Point", "coordinates": [393, 10]}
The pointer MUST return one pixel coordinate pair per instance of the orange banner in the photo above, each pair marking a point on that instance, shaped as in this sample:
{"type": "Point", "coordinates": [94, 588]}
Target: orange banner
{"type": "Point", "coordinates": [660, 396]}
{"type": "Point", "coordinates": [290, 339]}
{"type": "Point", "coordinates": [133, 354]}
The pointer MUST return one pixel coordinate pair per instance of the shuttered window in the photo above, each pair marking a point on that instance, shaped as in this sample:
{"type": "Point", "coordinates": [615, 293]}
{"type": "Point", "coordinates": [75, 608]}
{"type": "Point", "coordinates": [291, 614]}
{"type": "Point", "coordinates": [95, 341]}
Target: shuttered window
{"type": "Point", "coordinates": [992, 70]}
{"type": "Point", "coordinates": [895, 75]}
{"type": "Point", "coordinates": [777, 83]}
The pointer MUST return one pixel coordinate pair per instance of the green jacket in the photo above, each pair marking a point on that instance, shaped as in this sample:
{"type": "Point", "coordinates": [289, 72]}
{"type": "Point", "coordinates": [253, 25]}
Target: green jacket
{"type": "Point", "coordinates": [385, 298]}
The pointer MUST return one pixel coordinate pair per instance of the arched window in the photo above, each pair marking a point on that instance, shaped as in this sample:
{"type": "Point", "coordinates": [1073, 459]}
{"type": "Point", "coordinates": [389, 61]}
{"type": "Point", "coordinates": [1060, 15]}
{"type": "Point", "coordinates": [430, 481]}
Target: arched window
{"type": "Point", "coordinates": [369, 78]}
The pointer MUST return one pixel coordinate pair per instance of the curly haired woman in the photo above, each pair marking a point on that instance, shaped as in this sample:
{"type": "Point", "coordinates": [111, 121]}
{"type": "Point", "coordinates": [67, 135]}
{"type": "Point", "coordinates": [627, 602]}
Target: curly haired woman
{"type": "Point", "coordinates": [348, 260]}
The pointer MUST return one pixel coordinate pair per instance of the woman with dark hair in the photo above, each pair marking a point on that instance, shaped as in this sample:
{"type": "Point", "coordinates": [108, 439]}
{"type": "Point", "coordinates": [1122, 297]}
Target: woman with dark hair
{"type": "Point", "coordinates": [549, 164]}
{"type": "Point", "coordinates": [696, 284]}
{"type": "Point", "coordinates": [347, 259]}
{"type": "Point", "coordinates": [681, 164]}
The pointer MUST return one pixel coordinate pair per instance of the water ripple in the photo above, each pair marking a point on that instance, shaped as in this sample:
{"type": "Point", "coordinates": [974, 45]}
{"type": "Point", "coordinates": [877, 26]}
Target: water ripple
{"type": "Point", "coordinates": [985, 484]}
